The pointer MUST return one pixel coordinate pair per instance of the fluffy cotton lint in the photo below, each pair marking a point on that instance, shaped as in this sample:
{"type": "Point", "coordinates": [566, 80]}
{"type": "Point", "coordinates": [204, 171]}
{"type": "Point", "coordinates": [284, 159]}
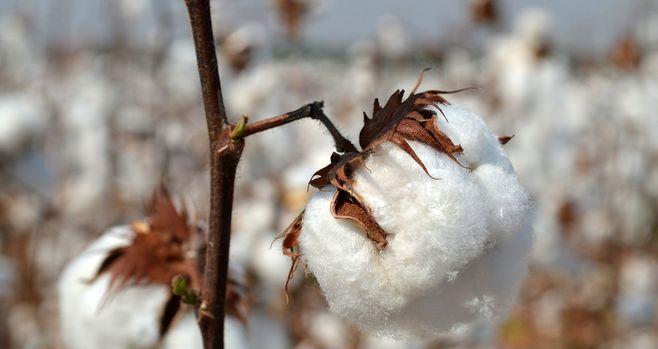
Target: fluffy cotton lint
{"type": "Point", "coordinates": [128, 319]}
{"type": "Point", "coordinates": [457, 245]}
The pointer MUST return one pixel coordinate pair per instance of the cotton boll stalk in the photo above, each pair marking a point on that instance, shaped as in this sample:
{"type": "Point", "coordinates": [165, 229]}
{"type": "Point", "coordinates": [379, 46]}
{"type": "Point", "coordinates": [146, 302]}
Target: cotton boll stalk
{"type": "Point", "coordinates": [456, 245]}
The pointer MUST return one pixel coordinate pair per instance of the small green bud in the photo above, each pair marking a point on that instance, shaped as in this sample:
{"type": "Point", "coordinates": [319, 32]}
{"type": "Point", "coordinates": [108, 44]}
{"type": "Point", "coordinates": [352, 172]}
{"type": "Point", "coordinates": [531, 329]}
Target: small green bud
{"type": "Point", "coordinates": [179, 288]}
{"type": "Point", "coordinates": [179, 285]}
{"type": "Point", "coordinates": [239, 128]}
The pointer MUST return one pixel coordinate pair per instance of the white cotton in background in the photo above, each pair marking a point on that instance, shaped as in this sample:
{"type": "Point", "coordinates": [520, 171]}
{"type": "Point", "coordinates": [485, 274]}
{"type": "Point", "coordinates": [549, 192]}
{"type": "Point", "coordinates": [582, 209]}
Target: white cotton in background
{"type": "Point", "coordinates": [643, 339]}
{"type": "Point", "coordinates": [178, 74]}
{"type": "Point", "coordinates": [514, 60]}
{"type": "Point", "coordinates": [457, 249]}
{"type": "Point", "coordinates": [362, 75]}
{"type": "Point", "coordinates": [271, 266]}
{"type": "Point", "coordinates": [375, 342]}
{"type": "Point", "coordinates": [392, 37]}
{"type": "Point", "coordinates": [130, 318]}
{"type": "Point", "coordinates": [266, 332]}
{"type": "Point", "coordinates": [85, 101]}
{"type": "Point", "coordinates": [253, 218]}
{"type": "Point", "coordinates": [21, 118]}
{"type": "Point", "coordinates": [248, 35]}
{"type": "Point", "coordinates": [186, 334]}
{"type": "Point", "coordinates": [328, 330]}
{"type": "Point", "coordinates": [638, 284]}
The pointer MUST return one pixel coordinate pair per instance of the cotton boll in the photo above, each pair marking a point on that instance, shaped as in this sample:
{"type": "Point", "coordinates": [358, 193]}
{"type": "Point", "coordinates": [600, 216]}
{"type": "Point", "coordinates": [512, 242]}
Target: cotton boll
{"type": "Point", "coordinates": [457, 246]}
{"type": "Point", "coordinates": [130, 319]}
{"type": "Point", "coordinates": [503, 191]}
{"type": "Point", "coordinates": [479, 295]}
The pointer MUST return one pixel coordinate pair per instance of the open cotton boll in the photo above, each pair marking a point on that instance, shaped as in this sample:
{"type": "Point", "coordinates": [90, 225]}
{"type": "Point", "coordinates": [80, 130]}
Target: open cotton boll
{"type": "Point", "coordinates": [92, 318]}
{"type": "Point", "coordinates": [129, 319]}
{"type": "Point", "coordinates": [457, 245]}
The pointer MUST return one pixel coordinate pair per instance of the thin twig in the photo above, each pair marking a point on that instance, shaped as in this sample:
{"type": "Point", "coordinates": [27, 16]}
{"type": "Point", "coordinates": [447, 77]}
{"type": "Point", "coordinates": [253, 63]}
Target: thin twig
{"type": "Point", "coordinates": [312, 110]}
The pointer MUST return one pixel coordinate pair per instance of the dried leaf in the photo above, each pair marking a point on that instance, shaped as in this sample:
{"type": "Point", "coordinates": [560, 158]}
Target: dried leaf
{"type": "Point", "coordinates": [627, 54]}
{"type": "Point", "coordinates": [290, 247]}
{"type": "Point", "coordinates": [504, 139]}
{"type": "Point", "coordinates": [292, 14]}
{"type": "Point", "coordinates": [484, 11]}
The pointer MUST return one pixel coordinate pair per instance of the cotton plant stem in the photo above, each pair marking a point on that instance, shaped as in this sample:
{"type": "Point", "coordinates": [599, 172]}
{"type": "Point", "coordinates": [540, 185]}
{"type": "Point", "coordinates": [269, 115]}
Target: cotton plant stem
{"type": "Point", "coordinates": [225, 155]}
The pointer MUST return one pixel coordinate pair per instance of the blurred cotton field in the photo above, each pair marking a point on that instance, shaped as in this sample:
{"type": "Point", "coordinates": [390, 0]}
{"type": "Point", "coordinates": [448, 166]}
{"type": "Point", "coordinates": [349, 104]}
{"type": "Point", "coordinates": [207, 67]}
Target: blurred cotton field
{"type": "Point", "coordinates": [99, 103]}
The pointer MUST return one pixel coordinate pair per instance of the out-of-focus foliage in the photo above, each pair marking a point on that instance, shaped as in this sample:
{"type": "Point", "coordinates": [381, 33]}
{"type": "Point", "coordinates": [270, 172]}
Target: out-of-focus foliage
{"type": "Point", "coordinates": [86, 133]}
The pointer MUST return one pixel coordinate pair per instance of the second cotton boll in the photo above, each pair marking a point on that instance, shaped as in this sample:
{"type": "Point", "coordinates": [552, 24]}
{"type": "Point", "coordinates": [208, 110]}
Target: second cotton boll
{"type": "Point", "coordinates": [457, 243]}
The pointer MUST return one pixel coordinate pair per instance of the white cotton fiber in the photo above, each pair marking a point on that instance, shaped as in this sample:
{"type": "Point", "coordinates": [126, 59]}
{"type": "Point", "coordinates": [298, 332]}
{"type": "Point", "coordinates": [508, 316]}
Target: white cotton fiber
{"type": "Point", "coordinates": [90, 320]}
{"type": "Point", "coordinates": [457, 248]}
{"type": "Point", "coordinates": [130, 319]}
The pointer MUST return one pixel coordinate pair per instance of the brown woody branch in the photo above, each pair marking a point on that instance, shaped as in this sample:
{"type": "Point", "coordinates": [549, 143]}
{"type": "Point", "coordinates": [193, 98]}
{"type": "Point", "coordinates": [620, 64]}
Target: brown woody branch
{"type": "Point", "coordinates": [312, 110]}
{"type": "Point", "coordinates": [225, 155]}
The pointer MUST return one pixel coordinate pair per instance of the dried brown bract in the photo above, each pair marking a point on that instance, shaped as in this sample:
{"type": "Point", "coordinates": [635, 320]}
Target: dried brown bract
{"type": "Point", "coordinates": [290, 246]}
{"type": "Point", "coordinates": [164, 247]}
{"type": "Point", "coordinates": [484, 11]}
{"type": "Point", "coordinates": [504, 139]}
{"type": "Point", "coordinates": [292, 13]}
{"type": "Point", "coordinates": [158, 251]}
{"type": "Point", "coordinates": [626, 54]}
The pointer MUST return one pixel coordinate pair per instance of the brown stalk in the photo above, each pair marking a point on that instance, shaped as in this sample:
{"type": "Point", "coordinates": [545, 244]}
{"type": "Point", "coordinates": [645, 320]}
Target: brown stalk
{"type": "Point", "coordinates": [311, 110]}
{"type": "Point", "coordinates": [225, 155]}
